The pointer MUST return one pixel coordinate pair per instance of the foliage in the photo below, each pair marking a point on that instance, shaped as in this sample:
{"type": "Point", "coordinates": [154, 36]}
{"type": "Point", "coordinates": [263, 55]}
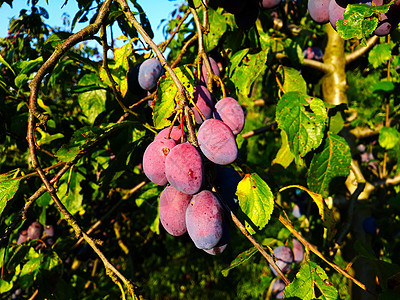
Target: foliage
{"type": "Point", "coordinates": [320, 164]}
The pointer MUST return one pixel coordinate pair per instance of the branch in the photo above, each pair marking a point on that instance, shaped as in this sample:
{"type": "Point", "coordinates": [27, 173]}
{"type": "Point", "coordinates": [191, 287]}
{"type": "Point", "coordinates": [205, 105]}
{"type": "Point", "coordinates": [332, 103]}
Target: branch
{"type": "Point", "coordinates": [201, 51]}
{"type": "Point", "coordinates": [313, 249]}
{"type": "Point", "coordinates": [165, 44]}
{"type": "Point", "coordinates": [260, 130]}
{"type": "Point", "coordinates": [182, 96]}
{"type": "Point", "coordinates": [47, 67]}
{"type": "Point", "coordinates": [360, 51]}
{"type": "Point", "coordinates": [317, 65]}
{"type": "Point", "coordinates": [114, 85]}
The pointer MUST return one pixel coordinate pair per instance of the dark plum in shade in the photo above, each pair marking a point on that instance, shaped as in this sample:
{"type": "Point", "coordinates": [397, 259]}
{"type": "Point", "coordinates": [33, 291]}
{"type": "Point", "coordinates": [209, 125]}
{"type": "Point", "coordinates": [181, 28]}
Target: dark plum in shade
{"type": "Point", "coordinates": [204, 220]}
{"type": "Point", "coordinates": [176, 134]}
{"type": "Point", "coordinates": [217, 142]}
{"type": "Point", "coordinates": [298, 251]}
{"type": "Point", "coordinates": [229, 111]}
{"type": "Point", "coordinates": [35, 230]}
{"type": "Point", "coordinates": [268, 4]}
{"type": "Point", "coordinates": [226, 182]}
{"type": "Point", "coordinates": [184, 168]}
{"type": "Point", "coordinates": [369, 225]}
{"type": "Point", "coordinates": [149, 73]}
{"type": "Point", "coordinates": [214, 68]}
{"type": "Point", "coordinates": [233, 6]}
{"type": "Point", "coordinates": [319, 10]}
{"type": "Point", "coordinates": [248, 16]}
{"type": "Point", "coordinates": [278, 287]}
{"type": "Point", "coordinates": [154, 160]}
{"type": "Point", "coordinates": [172, 209]}
{"type": "Point", "coordinates": [22, 237]}
{"type": "Point", "coordinates": [283, 259]}
{"type": "Point", "coordinates": [202, 99]}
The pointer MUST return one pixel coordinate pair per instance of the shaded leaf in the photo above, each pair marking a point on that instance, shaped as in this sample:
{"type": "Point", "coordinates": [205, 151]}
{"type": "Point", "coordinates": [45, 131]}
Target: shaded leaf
{"type": "Point", "coordinates": [240, 259]}
{"type": "Point", "coordinates": [218, 26]}
{"type": "Point", "coordinates": [8, 188]}
{"type": "Point", "coordinates": [86, 137]}
{"type": "Point", "coordinates": [293, 81]}
{"type": "Point", "coordinates": [380, 54]}
{"type": "Point", "coordinates": [333, 161]}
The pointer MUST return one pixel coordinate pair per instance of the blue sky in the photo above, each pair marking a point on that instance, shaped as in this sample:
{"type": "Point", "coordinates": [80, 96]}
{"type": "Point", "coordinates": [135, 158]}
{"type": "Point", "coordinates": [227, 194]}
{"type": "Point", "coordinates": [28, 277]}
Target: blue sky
{"type": "Point", "coordinates": [156, 10]}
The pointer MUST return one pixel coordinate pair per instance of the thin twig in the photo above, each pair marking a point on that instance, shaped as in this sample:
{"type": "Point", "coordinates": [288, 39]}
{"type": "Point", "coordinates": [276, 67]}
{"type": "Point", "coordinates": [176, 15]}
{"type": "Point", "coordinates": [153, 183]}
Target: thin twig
{"type": "Point", "coordinates": [254, 132]}
{"type": "Point", "coordinates": [165, 44]}
{"type": "Point", "coordinates": [183, 50]}
{"type": "Point", "coordinates": [117, 95]}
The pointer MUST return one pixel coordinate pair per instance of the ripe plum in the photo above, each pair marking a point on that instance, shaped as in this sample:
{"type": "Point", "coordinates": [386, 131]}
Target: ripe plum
{"type": "Point", "coordinates": [277, 288]}
{"type": "Point", "coordinates": [154, 160]}
{"type": "Point", "coordinates": [268, 4]}
{"type": "Point", "coordinates": [217, 142]}
{"type": "Point", "coordinates": [298, 251]}
{"type": "Point", "coordinates": [172, 209]}
{"type": "Point", "coordinates": [284, 259]}
{"type": "Point", "coordinates": [149, 73]}
{"type": "Point", "coordinates": [204, 220]}
{"type": "Point", "coordinates": [202, 98]}
{"type": "Point", "coordinates": [176, 134]}
{"type": "Point", "coordinates": [226, 183]}
{"type": "Point", "coordinates": [184, 168]}
{"type": "Point", "coordinates": [35, 230]}
{"type": "Point", "coordinates": [214, 68]}
{"type": "Point", "coordinates": [229, 111]}
{"type": "Point", "coordinates": [319, 10]}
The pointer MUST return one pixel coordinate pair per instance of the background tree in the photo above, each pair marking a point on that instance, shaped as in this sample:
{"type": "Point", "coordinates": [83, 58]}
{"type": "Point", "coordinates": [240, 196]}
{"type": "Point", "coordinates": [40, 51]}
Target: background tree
{"type": "Point", "coordinates": [311, 197]}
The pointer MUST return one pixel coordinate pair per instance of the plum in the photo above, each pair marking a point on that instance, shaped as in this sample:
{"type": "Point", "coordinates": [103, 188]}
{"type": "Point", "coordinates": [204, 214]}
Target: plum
{"type": "Point", "coordinates": [149, 72]}
{"type": "Point", "coordinates": [35, 230]}
{"type": "Point", "coordinates": [204, 220]}
{"type": "Point", "coordinates": [284, 259]}
{"type": "Point", "coordinates": [319, 10]}
{"type": "Point", "coordinates": [217, 142]}
{"type": "Point", "coordinates": [203, 101]}
{"type": "Point", "coordinates": [154, 160]}
{"type": "Point", "coordinates": [184, 168]}
{"type": "Point", "coordinates": [229, 111]}
{"type": "Point", "coordinates": [176, 134]}
{"type": "Point", "coordinates": [172, 209]}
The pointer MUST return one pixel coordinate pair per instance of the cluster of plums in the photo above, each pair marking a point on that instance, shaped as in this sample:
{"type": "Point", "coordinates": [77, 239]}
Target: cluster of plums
{"type": "Point", "coordinates": [189, 203]}
{"type": "Point", "coordinates": [37, 231]}
{"type": "Point", "coordinates": [284, 257]}
{"type": "Point", "coordinates": [324, 11]}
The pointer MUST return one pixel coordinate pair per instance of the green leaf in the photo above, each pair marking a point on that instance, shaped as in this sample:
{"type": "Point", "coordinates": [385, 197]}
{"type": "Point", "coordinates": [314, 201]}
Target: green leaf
{"type": "Point", "coordinates": [218, 26]}
{"type": "Point", "coordinates": [380, 54]}
{"type": "Point", "coordinates": [70, 192]}
{"type": "Point", "coordinates": [236, 59]}
{"type": "Point", "coordinates": [3, 61]}
{"type": "Point", "coordinates": [250, 67]}
{"type": "Point", "coordinates": [92, 102]}
{"type": "Point", "coordinates": [21, 80]}
{"type": "Point", "coordinates": [240, 259]}
{"type": "Point", "coordinates": [388, 137]}
{"type": "Point", "coordinates": [293, 81]}
{"type": "Point", "coordinates": [303, 119]}
{"type": "Point", "coordinates": [333, 161]}
{"type": "Point", "coordinates": [164, 105]}
{"type": "Point", "coordinates": [255, 200]}
{"type": "Point", "coordinates": [46, 138]}
{"type": "Point", "coordinates": [357, 22]}
{"type": "Point", "coordinates": [29, 272]}
{"type": "Point", "coordinates": [8, 188]}
{"type": "Point", "coordinates": [284, 157]}
{"type": "Point", "coordinates": [5, 286]}
{"type": "Point", "coordinates": [310, 278]}
{"type": "Point", "coordinates": [119, 69]}
{"type": "Point", "coordinates": [86, 137]}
